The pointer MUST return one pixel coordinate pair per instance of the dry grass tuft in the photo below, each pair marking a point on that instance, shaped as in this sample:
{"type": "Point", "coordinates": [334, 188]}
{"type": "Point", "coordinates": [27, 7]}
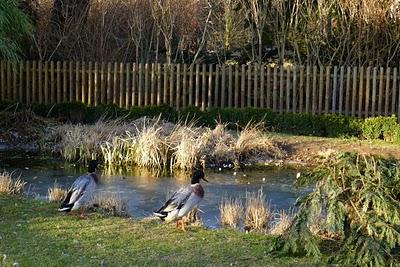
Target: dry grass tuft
{"type": "Point", "coordinates": [110, 203]}
{"type": "Point", "coordinates": [151, 147]}
{"type": "Point", "coordinates": [56, 193]}
{"type": "Point", "coordinates": [282, 222]}
{"type": "Point", "coordinates": [252, 142]}
{"type": "Point", "coordinates": [10, 186]}
{"type": "Point", "coordinates": [231, 212]}
{"type": "Point", "coordinates": [186, 146]}
{"type": "Point", "coordinates": [219, 145]}
{"type": "Point", "coordinates": [257, 212]}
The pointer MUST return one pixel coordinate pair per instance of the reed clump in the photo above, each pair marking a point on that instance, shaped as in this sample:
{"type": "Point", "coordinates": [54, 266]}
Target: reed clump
{"type": "Point", "coordinates": [160, 145]}
{"type": "Point", "coordinates": [10, 186]}
{"type": "Point", "coordinates": [257, 212]}
{"type": "Point", "coordinates": [231, 213]}
{"type": "Point", "coordinates": [56, 193]}
{"type": "Point", "coordinates": [253, 143]}
{"type": "Point", "coordinates": [281, 222]}
{"type": "Point", "coordinates": [110, 203]}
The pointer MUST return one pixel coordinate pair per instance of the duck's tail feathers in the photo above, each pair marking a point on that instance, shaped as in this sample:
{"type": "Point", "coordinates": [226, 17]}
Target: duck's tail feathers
{"type": "Point", "coordinates": [161, 215]}
{"type": "Point", "coordinates": [66, 207]}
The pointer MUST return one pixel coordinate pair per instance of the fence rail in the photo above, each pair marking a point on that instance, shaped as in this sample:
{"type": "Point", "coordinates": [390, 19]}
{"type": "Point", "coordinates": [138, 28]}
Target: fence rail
{"type": "Point", "coordinates": [353, 91]}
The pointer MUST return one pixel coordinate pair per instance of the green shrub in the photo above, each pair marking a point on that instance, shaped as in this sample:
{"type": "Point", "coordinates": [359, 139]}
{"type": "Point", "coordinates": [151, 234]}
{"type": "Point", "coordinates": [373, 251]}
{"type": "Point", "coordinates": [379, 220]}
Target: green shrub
{"type": "Point", "coordinates": [384, 128]}
{"type": "Point", "coordinates": [356, 200]}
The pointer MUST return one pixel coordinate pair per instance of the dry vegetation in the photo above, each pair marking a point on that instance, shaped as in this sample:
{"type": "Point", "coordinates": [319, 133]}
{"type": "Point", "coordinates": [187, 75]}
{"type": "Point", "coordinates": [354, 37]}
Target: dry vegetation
{"type": "Point", "coordinates": [56, 193]}
{"type": "Point", "coordinates": [11, 186]}
{"type": "Point", "coordinates": [254, 215]}
{"type": "Point", "coordinates": [257, 212]}
{"type": "Point", "coordinates": [160, 145]}
{"type": "Point", "coordinates": [110, 203]}
{"type": "Point", "coordinates": [231, 212]}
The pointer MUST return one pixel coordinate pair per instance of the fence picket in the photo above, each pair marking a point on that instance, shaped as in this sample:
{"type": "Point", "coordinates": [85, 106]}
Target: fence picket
{"type": "Point", "coordinates": [230, 86]}
{"type": "Point", "coordinates": [269, 87]}
{"type": "Point", "coordinates": [394, 91]}
{"type": "Point", "coordinates": [203, 87]}
{"type": "Point", "coordinates": [387, 91]}
{"type": "Point", "coordinates": [288, 90]}
{"type": "Point", "coordinates": [354, 94]}
{"type": "Point", "coordinates": [360, 91]}
{"type": "Point", "coordinates": [334, 89]}
{"type": "Point", "coordinates": [380, 93]}
{"type": "Point", "coordinates": [301, 90]}
{"type": "Point", "coordinates": [209, 95]}
{"type": "Point", "coordinates": [65, 82]}
{"type": "Point", "coordinates": [341, 90]}
{"type": "Point", "coordinates": [237, 89]}
{"type": "Point", "coordinates": [373, 98]}
{"type": "Point", "coordinates": [367, 91]}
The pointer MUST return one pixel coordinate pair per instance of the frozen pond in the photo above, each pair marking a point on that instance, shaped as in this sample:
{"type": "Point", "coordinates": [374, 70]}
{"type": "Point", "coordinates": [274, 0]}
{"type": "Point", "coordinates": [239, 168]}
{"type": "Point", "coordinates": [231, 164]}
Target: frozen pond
{"type": "Point", "coordinates": [145, 193]}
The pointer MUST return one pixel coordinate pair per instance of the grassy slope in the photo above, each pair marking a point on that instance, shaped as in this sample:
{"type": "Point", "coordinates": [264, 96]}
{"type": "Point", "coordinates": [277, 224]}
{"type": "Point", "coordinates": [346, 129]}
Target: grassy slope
{"type": "Point", "coordinates": [33, 233]}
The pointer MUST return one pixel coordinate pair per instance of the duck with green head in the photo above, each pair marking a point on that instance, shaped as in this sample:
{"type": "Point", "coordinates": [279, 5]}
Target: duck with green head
{"type": "Point", "coordinates": [183, 201]}
{"type": "Point", "coordinates": [81, 190]}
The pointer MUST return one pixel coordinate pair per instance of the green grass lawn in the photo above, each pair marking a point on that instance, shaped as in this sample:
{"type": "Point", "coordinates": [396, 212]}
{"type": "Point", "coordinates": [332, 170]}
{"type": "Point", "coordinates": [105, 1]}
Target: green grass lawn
{"type": "Point", "coordinates": [34, 233]}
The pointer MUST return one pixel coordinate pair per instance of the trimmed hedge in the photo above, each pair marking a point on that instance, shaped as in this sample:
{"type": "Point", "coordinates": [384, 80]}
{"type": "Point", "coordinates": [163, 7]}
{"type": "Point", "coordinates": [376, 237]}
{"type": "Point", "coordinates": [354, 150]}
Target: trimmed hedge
{"type": "Point", "coordinates": [331, 125]}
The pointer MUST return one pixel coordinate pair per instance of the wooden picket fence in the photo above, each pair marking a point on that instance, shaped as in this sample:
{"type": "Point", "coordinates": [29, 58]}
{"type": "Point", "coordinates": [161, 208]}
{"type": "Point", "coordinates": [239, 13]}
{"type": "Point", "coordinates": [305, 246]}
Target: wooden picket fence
{"type": "Point", "coordinates": [353, 91]}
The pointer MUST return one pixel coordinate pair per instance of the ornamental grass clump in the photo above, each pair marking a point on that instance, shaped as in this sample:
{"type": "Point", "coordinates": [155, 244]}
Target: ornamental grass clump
{"type": "Point", "coordinates": [56, 193]}
{"type": "Point", "coordinates": [359, 198]}
{"type": "Point", "coordinates": [257, 212]}
{"type": "Point", "coordinates": [10, 186]}
{"type": "Point", "coordinates": [231, 213]}
{"type": "Point", "coordinates": [253, 143]}
{"type": "Point", "coordinates": [281, 222]}
{"type": "Point", "coordinates": [110, 203]}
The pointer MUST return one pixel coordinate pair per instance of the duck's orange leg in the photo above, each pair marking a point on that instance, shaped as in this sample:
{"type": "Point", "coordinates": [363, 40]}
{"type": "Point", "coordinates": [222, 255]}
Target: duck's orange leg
{"type": "Point", "coordinates": [183, 225]}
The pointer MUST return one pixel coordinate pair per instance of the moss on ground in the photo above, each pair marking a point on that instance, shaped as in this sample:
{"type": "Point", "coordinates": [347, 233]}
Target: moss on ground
{"type": "Point", "coordinates": [33, 233]}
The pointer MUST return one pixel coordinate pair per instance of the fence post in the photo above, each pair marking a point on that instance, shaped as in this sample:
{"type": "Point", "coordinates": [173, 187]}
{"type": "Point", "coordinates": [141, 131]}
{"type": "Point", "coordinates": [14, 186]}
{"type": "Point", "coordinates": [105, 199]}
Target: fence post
{"type": "Point", "coordinates": [184, 86]}
{"type": "Point", "coordinates": [58, 73]}
{"type": "Point", "coordinates": [262, 86]}
{"type": "Point", "coordinates": [230, 86]}
{"type": "Point", "coordinates": [314, 91]}
{"type": "Point", "coordinates": [121, 91]}
{"type": "Point", "coordinates": [301, 89]}
{"type": "Point", "coordinates": [71, 83]}
{"type": "Point", "coordinates": [90, 85]}
{"type": "Point", "coordinates": [394, 91]}
{"type": "Point", "coordinates": [354, 94]}
{"type": "Point", "coordinates": [237, 89]}
{"type": "Point", "coordinates": [40, 87]}
{"type": "Point", "coordinates": [159, 95]}
{"type": "Point", "coordinates": [334, 89]}
{"type": "Point", "coordinates": [178, 86]}
{"type": "Point", "coordinates": [341, 90]}
{"type": "Point", "coordinates": [77, 75]}
{"type": "Point", "coordinates": [269, 87]}
{"type": "Point", "coordinates": [203, 89]}
{"type": "Point", "coordinates": [367, 89]}
{"type": "Point", "coordinates": [171, 84]}
{"type": "Point", "coordinates": [96, 84]}
{"type": "Point", "coordinates": [84, 83]}
{"type": "Point", "coordinates": [249, 83]}
{"type": "Point", "coordinates": [209, 95]}
{"type": "Point", "coordinates": [275, 90]}
{"type": "Point", "coordinates": [21, 79]}
{"type": "Point", "coordinates": [243, 86]}
{"type": "Point", "coordinates": [15, 89]}
{"type": "Point", "coordinates": [34, 87]}
{"type": "Point", "coordinates": [294, 89]}
{"type": "Point", "coordinates": [128, 93]}
{"type": "Point", "coordinates": [65, 82]}
{"type": "Point", "coordinates": [380, 96]}
{"type": "Point", "coordinates": [360, 91]}
{"type": "Point", "coordinates": [373, 98]}
{"type": "Point", "coordinates": [134, 84]}
{"type": "Point", "coordinates": [388, 71]}
{"type": "Point", "coordinates": [223, 85]}
{"type": "Point", "coordinates": [165, 95]}
{"type": "Point", "coordinates": [327, 88]}
{"type": "Point", "coordinates": [255, 86]}
{"type": "Point", "coordinates": [153, 84]}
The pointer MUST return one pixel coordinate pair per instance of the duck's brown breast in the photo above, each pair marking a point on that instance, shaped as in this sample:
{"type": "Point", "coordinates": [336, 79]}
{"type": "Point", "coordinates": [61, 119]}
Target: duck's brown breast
{"type": "Point", "coordinates": [198, 190]}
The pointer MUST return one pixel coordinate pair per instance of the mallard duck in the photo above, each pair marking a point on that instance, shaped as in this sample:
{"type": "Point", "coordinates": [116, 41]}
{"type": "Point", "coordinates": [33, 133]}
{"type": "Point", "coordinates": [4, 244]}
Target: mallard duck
{"type": "Point", "coordinates": [81, 190]}
{"type": "Point", "coordinates": [183, 201]}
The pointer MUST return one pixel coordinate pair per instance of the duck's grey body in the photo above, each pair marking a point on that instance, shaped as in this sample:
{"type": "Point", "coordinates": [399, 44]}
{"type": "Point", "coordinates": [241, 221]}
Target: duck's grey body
{"type": "Point", "coordinates": [81, 190]}
{"type": "Point", "coordinates": [181, 203]}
